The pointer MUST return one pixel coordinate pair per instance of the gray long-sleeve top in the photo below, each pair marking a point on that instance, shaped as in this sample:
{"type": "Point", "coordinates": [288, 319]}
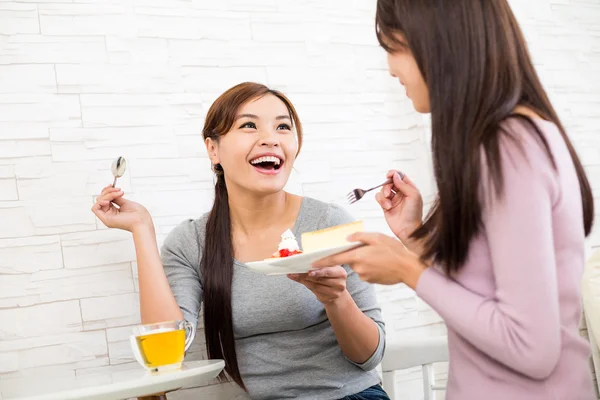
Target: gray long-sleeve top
{"type": "Point", "coordinates": [285, 344]}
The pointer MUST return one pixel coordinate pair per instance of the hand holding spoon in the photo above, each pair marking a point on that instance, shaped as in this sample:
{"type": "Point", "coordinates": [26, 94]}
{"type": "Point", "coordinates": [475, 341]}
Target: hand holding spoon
{"type": "Point", "coordinates": [118, 169]}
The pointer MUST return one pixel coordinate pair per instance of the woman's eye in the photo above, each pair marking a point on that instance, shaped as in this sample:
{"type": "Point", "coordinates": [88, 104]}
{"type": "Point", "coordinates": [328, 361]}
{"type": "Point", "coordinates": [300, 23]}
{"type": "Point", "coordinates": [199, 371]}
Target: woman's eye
{"type": "Point", "coordinates": [284, 127]}
{"type": "Point", "coordinates": [251, 125]}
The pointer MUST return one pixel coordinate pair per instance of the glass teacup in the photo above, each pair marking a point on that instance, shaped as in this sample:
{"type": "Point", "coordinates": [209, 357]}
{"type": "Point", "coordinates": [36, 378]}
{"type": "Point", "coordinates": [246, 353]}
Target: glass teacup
{"type": "Point", "coordinates": [161, 346]}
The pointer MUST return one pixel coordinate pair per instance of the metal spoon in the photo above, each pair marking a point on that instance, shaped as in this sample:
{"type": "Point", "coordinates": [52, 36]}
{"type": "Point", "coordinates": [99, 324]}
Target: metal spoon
{"type": "Point", "coordinates": [118, 169]}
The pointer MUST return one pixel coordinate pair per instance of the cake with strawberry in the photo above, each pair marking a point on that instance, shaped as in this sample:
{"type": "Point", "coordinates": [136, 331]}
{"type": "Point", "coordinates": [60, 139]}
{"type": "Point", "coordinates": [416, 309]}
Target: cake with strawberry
{"type": "Point", "coordinates": [288, 246]}
{"type": "Point", "coordinates": [317, 240]}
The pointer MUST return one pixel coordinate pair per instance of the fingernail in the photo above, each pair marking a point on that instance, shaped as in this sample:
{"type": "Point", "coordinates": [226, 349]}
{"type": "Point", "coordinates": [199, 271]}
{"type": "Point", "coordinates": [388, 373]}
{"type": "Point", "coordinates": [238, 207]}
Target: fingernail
{"type": "Point", "coordinates": [400, 174]}
{"type": "Point", "coordinates": [293, 276]}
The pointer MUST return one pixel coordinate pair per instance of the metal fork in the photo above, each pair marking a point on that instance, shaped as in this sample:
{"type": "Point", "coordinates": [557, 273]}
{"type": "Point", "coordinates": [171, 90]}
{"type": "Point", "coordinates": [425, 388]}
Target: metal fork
{"type": "Point", "coordinates": [358, 194]}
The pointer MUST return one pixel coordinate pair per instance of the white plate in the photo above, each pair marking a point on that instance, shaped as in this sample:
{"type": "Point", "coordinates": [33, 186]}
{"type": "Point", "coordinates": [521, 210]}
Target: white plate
{"type": "Point", "coordinates": [298, 264]}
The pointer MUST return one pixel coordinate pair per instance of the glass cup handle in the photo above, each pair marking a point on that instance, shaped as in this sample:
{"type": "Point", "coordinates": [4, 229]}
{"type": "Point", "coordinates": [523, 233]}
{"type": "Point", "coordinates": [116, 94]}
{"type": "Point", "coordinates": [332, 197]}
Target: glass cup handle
{"type": "Point", "coordinates": [190, 333]}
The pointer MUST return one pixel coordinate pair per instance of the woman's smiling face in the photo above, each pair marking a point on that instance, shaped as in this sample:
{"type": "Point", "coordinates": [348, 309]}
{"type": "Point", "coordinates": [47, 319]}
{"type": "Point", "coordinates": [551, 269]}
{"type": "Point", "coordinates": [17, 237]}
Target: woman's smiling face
{"type": "Point", "coordinates": [258, 152]}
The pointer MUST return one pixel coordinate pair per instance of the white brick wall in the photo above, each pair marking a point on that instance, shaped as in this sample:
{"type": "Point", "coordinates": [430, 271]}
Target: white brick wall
{"type": "Point", "coordinates": [85, 81]}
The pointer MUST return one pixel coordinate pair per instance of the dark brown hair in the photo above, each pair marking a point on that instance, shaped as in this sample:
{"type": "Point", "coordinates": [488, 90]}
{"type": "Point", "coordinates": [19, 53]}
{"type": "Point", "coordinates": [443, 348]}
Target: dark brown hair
{"type": "Point", "coordinates": [217, 255]}
{"type": "Point", "coordinates": [475, 62]}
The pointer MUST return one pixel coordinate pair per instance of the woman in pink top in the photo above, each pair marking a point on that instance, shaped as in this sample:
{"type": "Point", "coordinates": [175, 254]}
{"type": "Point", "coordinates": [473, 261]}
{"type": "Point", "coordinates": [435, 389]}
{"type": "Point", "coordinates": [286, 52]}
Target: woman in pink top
{"type": "Point", "coordinates": [501, 253]}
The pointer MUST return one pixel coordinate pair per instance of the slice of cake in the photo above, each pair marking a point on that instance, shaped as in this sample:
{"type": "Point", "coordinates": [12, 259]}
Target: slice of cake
{"type": "Point", "coordinates": [288, 246]}
{"type": "Point", "coordinates": [329, 237]}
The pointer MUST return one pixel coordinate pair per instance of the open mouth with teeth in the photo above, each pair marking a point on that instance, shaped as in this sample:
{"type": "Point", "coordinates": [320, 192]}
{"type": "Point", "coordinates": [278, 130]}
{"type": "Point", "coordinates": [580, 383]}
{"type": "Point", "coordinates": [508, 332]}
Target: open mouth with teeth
{"type": "Point", "coordinates": [267, 163]}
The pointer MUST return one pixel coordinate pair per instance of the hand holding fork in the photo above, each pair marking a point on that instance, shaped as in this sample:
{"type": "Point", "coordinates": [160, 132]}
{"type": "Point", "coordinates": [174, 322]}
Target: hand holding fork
{"type": "Point", "coordinates": [401, 203]}
{"type": "Point", "coordinates": [358, 194]}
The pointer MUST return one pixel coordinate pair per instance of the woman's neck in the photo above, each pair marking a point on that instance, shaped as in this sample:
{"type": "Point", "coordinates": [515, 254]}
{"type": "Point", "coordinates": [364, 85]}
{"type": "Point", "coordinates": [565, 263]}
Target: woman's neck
{"type": "Point", "coordinates": [250, 213]}
{"type": "Point", "coordinates": [528, 112]}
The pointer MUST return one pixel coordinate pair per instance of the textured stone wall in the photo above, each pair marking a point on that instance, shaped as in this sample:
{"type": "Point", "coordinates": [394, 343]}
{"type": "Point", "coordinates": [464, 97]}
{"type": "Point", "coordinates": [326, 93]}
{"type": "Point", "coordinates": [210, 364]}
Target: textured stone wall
{"type": "Point", "coordinates": [85, 81]}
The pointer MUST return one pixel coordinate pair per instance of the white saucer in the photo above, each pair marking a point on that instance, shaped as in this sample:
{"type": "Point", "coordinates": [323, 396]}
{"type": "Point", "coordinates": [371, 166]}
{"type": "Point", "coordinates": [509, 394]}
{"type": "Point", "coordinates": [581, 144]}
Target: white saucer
{"type": "Point", "coordinates": [298, 264]}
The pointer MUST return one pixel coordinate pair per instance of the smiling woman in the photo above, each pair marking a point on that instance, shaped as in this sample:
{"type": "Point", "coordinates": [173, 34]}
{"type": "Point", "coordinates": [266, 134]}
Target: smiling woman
{"type": "Point", "coordinates": [243, 136]}
{"type": "Point", "coordinates": [302, 336]}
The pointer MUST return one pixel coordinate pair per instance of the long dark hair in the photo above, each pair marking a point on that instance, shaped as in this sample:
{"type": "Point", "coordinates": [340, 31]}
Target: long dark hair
{"type": "Point", "coordinates": [217, 256]}
{"type": "Point", "coordinates": [477, 67]}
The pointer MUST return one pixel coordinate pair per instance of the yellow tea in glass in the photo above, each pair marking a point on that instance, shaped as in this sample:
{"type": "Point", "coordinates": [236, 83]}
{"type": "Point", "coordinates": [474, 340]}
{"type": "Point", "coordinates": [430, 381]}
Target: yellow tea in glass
{"type": "Point", "coordinates": [162, 346]}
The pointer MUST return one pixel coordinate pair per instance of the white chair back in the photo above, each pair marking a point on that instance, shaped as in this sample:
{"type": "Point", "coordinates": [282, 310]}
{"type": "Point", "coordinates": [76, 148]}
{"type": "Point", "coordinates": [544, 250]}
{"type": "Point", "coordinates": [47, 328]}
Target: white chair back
{"type": "Point", "coordinates": [590, 292]}
{"type": "Point", "coordinates": [410, 353]}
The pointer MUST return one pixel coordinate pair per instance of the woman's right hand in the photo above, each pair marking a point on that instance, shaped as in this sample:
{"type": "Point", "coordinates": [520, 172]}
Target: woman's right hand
{"type": "Point", "coordinates": [402, 206]}
{"type": "Point", "coordinates": [129, 215]}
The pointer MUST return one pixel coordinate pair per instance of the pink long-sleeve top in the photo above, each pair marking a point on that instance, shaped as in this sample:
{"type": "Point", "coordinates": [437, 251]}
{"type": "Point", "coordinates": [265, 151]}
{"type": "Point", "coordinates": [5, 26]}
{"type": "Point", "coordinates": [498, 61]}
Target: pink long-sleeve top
{"type": "Point", "coordinates": [513, 310]}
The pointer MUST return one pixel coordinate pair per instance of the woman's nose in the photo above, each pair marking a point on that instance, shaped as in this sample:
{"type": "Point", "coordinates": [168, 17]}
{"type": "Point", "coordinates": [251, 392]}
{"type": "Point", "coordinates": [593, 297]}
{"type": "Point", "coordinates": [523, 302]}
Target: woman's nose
{"type": "Point", "coordinates": [269, 139]}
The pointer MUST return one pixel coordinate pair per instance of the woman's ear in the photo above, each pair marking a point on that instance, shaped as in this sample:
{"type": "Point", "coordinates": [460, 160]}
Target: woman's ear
{"type": "Point", "coordinates": [212, 148]}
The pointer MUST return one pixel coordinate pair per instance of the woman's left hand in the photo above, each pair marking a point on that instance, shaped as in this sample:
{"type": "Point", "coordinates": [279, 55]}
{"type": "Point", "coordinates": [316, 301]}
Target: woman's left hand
{"type": "Point", "coordinates": [328, 284]}
{"type": "Point", "coordinates": [383, 260]}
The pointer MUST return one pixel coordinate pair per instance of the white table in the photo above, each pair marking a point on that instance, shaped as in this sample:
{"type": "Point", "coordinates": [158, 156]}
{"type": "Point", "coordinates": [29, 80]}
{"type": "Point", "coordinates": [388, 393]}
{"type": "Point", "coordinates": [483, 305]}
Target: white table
{"type": "Point", "coordinates": [135, 382]}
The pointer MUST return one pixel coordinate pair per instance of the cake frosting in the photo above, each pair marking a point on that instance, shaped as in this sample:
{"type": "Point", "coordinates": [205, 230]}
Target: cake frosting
{"type": "Point", "coordinates": [288, 245]}
{"type": "Point", "coordinates": [288, 241]}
